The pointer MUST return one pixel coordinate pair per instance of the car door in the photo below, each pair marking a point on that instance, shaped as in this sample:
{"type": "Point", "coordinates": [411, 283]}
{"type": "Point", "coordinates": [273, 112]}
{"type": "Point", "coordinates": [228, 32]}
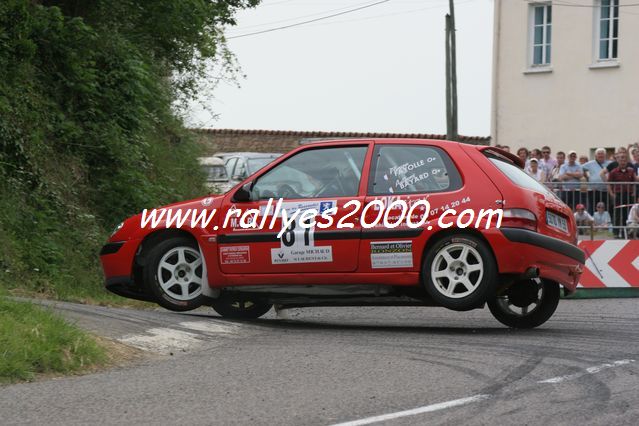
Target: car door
{"type": "Point", "coordinates": [410, 175]}
{"type": "Point", "coordinates": [327, 179]}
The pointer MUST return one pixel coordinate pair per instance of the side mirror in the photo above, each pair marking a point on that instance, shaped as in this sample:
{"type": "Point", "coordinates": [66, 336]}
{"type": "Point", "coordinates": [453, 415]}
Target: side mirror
{"type": "Point", "coordinates": [244, 193]}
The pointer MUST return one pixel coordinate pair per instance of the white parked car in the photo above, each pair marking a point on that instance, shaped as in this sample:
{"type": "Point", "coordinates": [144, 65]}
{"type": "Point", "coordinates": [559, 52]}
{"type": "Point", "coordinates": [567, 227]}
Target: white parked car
{"type": "Point", "coordinates": [240, 165]}
{"type": "Point", "coordinates": [217, 180]}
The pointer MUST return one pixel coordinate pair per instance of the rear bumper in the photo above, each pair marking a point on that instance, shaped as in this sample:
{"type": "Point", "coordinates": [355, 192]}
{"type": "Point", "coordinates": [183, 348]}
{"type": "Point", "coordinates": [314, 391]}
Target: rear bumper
{"type": "Point", "coordinates": [516, 250]}
{"type": "Point", "coordinates": [517, 235]}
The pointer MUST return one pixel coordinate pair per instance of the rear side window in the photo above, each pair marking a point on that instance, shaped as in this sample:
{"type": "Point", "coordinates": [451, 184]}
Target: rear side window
{"type": "Point", "coordinates": [519, 177]}
{"type": "Point", "coordinates": [412, 169]}
{"type": "Point", "coordinates": [230, 164]}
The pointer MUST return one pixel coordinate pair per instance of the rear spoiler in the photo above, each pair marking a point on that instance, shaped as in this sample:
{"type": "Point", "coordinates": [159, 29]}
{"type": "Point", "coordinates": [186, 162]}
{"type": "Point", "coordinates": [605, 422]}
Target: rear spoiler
{"type": "Point", "coordinates": [503, 155]}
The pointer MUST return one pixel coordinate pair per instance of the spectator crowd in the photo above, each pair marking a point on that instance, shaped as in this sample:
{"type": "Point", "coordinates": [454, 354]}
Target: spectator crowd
{"type": "Point", "coordinates": [602, 192]}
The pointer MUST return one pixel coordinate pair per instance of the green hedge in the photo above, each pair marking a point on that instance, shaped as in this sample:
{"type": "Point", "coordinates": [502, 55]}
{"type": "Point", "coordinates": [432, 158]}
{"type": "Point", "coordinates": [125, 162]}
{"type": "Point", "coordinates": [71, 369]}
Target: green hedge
{"type": "Point", "coordinates": [89, 132]}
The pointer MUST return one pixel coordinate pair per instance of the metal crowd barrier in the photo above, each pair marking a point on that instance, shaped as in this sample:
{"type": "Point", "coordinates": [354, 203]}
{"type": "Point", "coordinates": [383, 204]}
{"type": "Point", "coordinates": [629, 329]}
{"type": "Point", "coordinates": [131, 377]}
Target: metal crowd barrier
{"type": "Point", "coordinates": [618, 199]}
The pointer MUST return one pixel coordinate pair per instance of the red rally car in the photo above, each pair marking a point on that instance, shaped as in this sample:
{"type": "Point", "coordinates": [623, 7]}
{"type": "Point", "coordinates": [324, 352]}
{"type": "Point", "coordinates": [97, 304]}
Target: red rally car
{"type": "Point", "coordinates": [242, 270]}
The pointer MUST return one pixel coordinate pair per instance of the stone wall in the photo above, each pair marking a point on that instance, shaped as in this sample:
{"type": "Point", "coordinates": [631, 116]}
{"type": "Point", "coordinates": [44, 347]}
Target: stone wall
{"type": "Point", "coordinates": [229, 140]}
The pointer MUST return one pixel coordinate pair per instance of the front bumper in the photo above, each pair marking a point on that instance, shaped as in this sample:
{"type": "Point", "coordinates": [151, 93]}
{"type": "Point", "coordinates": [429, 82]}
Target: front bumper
{"type": "Point", "coordinates": [117, 257]}
{"type": "Point", "coordinates": [126, 287]}
{"type": "Point", "coordinates": [117, 260]}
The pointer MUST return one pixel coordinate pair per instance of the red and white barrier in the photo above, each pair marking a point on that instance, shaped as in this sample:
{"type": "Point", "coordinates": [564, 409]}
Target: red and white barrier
{"type": "Point", "coordinates": [610, 264]}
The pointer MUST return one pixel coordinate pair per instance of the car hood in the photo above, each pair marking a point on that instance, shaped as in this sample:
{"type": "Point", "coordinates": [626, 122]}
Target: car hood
{"type": "Point", "coordinates": [133, 227]}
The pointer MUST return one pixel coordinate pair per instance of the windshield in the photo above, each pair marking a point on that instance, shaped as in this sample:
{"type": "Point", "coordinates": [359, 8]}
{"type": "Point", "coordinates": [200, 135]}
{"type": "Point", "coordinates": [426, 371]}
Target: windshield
{"type": "Point", "coordinates": [214, 173]}
{"type": "Point", "coordinates": [521, 178]}
{"type": "Point", "coordinates": [254, 164]}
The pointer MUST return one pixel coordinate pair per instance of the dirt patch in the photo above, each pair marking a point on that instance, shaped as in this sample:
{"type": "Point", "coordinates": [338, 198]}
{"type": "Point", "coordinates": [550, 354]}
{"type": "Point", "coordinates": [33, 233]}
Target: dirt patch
{"type": "Point", "coordinates": [119, 354]}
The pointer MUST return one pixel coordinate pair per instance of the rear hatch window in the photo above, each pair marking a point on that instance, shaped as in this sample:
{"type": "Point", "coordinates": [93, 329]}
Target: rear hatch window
{"type": "Point", "coordinates": [519, 177]}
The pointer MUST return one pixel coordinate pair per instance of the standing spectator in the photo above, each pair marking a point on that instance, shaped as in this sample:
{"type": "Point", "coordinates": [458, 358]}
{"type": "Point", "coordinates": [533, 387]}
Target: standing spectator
{"type": "Point", "coordinates": [592, 169]}
{"type": "Point", "coordinates": [583, 159]}
{"type": "Point", "coordinates": [522, 153]}
{"type": "Point", "coordinates": [582, 218]}
{"type": "Point", "coordinates": [621, 191]}
{"type": "Point", "coordinates": [505, 148]}
{"type": "Point", "coordinates": [633, 221]}
{"type": "Point", "coordinates": [634, 153]}
{"type": "Point", "coordinates": [614, 163]}
{"type": "Point", "coordinates": [535, 153]}
{"type": "Point", "coordinates": [549, 162]}
{"type": "Point", "coordinates": [535, 171]}
{"type": "Point", "coordinates": [601, 218]}
{"type": "Point", "coordinates": [570, 174]}
{"type": "Point", "coordinates": [554, 174]}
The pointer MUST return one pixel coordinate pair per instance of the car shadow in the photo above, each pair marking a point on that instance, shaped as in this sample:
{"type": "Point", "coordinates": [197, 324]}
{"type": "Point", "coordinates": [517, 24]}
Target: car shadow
{"type": "Point", "coordinates": [305, 324]}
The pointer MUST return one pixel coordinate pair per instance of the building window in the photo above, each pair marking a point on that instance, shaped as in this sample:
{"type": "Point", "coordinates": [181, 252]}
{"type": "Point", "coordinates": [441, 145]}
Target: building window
{"type": "Point", "coordinates": [541, 34]}
{"type": "Point", "coordinates": [608, 29]}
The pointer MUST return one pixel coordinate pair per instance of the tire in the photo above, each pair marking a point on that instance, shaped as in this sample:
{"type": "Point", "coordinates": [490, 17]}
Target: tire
{"type": "Point", "coordinates": [460, 272]}
{"type": "Point", "coordinates": [174, 274]}
{"type": "Point", "coordinates": [237, 307]}
{"type": "Point", "coordinates": [514, 307]}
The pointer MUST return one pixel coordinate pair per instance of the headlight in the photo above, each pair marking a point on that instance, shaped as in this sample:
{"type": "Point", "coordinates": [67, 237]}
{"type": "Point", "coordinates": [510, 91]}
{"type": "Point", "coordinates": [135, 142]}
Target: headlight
{"type": "Point", "coordinates": [117, 228]}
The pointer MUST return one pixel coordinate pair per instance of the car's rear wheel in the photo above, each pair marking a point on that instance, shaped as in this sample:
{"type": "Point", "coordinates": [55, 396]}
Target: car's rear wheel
{"type": "Point", "coordinates": [238, 307]}
{"type": "Point", "coordinates": [174, 274]}
{"type": "Point", "coordinates": [526, 304]}
{"type": "Point", "coordinates": [459, 272]}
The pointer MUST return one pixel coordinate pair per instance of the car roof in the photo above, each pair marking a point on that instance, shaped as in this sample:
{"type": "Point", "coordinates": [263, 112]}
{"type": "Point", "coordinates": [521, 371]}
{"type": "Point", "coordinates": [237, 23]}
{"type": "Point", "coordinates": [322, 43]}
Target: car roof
{"type": "Point", "coordinates": [211, 161]}
{"type": "Point", "coordinates": [249, 154]}
{"type": "Point", "coordinates": [399, 141]}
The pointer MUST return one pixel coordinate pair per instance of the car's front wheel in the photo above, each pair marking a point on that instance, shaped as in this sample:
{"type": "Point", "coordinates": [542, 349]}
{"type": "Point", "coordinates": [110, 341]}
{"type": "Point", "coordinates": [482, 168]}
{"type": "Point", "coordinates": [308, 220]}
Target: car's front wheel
{"type": "Point", "coordinates": [174, 274]}
{"type": "Point", "coordinates": [526, 304]}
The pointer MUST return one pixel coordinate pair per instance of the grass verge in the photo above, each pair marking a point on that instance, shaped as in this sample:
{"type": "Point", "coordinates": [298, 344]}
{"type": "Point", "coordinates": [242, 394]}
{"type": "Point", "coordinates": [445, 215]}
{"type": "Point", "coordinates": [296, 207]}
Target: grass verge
{"type": "Point", "coordinates": [34, 341]}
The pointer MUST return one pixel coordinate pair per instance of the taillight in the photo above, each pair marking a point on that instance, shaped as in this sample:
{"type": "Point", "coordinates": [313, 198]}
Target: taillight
{"type": "Point", "coordinates": [519, 218]}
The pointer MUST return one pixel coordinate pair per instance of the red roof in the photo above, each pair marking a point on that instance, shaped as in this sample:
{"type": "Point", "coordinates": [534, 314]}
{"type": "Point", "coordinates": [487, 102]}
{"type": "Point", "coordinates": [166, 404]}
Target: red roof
{"type": "Point", "coordinates": [322, 134]}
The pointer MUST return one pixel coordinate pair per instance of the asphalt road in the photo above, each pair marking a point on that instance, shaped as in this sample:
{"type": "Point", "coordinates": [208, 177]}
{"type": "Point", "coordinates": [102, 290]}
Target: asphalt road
{"type": "Point", "coordinates": [325, 366]}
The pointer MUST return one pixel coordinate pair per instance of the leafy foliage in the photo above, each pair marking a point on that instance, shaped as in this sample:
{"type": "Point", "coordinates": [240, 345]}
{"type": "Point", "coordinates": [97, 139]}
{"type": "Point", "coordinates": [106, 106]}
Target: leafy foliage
{"type": "Point", "coordinates": [88, 130]}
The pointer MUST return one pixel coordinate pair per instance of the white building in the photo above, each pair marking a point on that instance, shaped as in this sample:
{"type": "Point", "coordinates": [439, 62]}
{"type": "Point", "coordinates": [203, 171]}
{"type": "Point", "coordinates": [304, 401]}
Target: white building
{"type": "Point", "coordinates": [566, 74]}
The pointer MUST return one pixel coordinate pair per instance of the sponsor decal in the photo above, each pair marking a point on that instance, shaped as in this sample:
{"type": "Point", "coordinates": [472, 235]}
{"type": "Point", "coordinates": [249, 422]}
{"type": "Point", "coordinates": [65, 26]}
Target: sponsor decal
{"type": "Point", "coordinates": [391, 254]}
{"type": "Point", "coordinates": [291, 207]}
{"type": "Point", "coordinates": [297, 245]}
{"type": "Point", "coordinates": [286, 255]}
{"type": "Point", "coordinates": [235, 255]}
{"type": "Point", "coordinates": [207, 201]}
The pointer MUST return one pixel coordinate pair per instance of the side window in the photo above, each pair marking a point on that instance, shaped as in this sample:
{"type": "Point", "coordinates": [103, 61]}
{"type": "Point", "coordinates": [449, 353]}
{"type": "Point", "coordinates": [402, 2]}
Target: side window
{"type": "Point", "coordinates": [412, 169]}
{"type": "Point", "coordinates": [240, 169]}
{"type": "Point", "coordinates": [230, 165]}
{"type": "Point", "coordinates": [314, 173]}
